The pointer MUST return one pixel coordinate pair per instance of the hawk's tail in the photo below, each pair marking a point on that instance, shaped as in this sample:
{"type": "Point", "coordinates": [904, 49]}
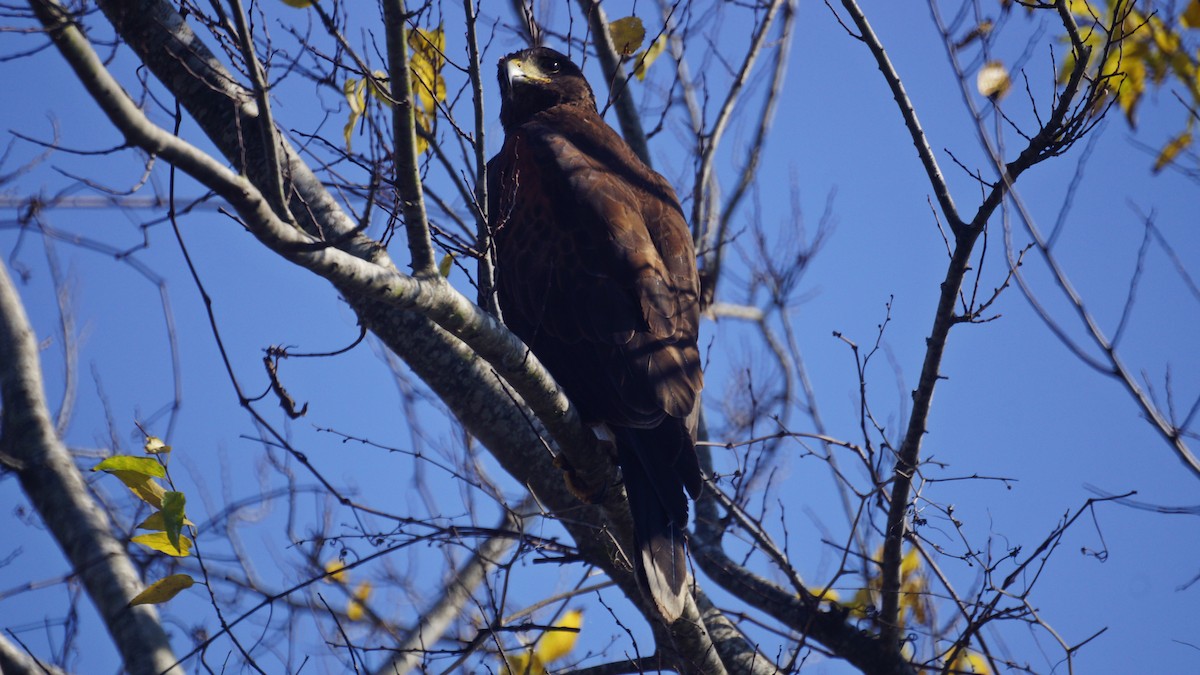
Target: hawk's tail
{"type": "Point", "coordinates": [658, 465]}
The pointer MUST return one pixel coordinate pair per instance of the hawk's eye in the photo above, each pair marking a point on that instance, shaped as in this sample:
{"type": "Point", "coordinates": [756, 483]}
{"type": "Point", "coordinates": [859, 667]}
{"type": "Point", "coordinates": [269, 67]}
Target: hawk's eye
{"type": "Point", "coordinates": [553, 67]}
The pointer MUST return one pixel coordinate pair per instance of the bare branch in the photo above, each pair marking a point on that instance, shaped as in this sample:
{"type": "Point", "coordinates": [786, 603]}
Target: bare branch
{"type": "Point", "coordinates": [934, 172]}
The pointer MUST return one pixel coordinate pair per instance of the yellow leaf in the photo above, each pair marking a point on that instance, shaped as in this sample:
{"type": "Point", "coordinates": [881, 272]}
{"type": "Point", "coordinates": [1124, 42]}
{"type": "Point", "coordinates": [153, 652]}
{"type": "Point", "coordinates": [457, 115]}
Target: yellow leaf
{"type": "Point", "coordinates": [970, 662]}
{"type": "Point", "coordinates": [1171, 150]}
{"type": "Point", "coordinates": [428, 84]}
{"type": "Point", "coordinates": [828, 595]}
{"type": "Point", "coordinates": [627, 35]}
{"type": "Point", "coordinates": [1131, 87]}
{"type": "Point", "coordinates": [993, 80]}
{"type": "Point", "coordinates": [298, 4]}
{"type": "Point", "coordinates": [913, 596]}
{"type": "Point", "coordinates": [336, 570]}
{"type": "Point", "coordinates": [354, 608]}
{"type": "Point", "coordinates": [155, 446]}
{"type": "Point", "coordinates": [648, 57]}
{"type": "Point", "coordinates": [142, 486]}
{"type": "Point", "coordinates": [155, 522]}
{"type": "Point", "coordinates": [158, 541]}
{"type": "Point", "coordinates": [524, 662]}
{"type": "Point", "coordinates": [428, 59]}
{"type": "Point", "coordinates": [1165, 39]}
{"type": "Point", "coordinates": [354, 89]}
{"type": "Point", "coordinates": [556, 644]}
{"type": "Point", "coordinates": [445, 265]}
{"type": "Point", "coordinates": [1082, 8]}
{"type": "Point", "coordinates": [130, 464]}
{"type": "Point", "coordinates": [1190, 18]}
{"type": "Point", "coordinates": [163, 590]}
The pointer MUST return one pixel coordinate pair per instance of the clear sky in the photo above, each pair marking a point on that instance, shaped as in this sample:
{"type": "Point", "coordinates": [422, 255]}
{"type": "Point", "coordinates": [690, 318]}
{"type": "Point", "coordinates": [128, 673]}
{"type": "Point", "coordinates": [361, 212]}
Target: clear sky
{"type": "Point", "coordinates": [1015, 405]}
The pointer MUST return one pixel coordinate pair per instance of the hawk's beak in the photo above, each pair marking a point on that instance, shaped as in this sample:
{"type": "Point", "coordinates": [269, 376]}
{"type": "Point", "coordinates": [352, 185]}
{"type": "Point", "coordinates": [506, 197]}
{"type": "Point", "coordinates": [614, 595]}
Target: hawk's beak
{"type": "Point", "coordinates": [517, 70]}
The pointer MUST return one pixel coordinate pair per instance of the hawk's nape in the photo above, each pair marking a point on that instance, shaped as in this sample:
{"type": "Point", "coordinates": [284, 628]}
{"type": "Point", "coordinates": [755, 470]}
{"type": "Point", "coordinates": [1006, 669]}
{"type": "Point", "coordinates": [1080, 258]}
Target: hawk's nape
{"type": "Point", "coordinates": [596, 272]}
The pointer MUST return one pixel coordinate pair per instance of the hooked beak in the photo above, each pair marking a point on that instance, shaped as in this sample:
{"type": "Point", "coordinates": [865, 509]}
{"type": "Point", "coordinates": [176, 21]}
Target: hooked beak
{"type": "Point", "coordinates": [518, 71]}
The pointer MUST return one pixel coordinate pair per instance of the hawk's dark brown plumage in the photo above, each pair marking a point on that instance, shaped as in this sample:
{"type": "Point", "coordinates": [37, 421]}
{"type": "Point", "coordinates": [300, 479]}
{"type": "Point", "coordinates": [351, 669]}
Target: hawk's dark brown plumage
{"type": "Point", "coordinates": [597, 274]}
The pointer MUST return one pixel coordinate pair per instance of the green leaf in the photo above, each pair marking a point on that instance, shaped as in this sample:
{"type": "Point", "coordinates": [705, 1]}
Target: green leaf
{"type": "Point", "coordinates": [163, 590]}
{"type": "Point", "coordinates": [154, 522]}
{"type": "Point", "coordinates": [143, 465]}
{"type": "Point", "coordinates": [172, 511]}
{"type": "Point", "coordinates": [158, 541]}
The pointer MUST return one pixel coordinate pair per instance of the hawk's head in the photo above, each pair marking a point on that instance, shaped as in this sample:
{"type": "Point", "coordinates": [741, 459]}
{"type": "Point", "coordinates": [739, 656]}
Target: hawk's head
{"type": "Point", "coordinates": [533, 80]}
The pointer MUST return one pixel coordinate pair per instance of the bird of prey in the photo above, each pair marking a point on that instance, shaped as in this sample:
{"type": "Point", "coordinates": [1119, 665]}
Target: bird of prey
{"type": "Point", "coordinates": [596, 272]}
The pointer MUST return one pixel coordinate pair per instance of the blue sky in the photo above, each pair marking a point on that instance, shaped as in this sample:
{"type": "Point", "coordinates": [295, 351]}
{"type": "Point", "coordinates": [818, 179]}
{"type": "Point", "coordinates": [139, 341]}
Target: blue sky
{"type": "Point", "coordinates": [1016, 404]}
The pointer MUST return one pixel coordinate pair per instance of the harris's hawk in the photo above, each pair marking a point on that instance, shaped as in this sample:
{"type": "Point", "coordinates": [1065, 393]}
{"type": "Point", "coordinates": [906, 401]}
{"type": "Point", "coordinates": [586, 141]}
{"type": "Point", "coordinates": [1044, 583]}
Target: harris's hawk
{"type": "Point", "coordinates": [596, 272]}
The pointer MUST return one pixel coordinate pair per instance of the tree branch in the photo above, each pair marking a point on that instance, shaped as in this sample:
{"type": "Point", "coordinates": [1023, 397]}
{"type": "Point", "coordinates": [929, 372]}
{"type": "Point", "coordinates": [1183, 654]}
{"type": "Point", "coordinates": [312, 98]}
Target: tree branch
{"type": "Point", "coordinates": [404, 130]}
{"type": "Point", "coordinates": [936, 179]}
{"type": "Point", "coordinates": [454, 346]}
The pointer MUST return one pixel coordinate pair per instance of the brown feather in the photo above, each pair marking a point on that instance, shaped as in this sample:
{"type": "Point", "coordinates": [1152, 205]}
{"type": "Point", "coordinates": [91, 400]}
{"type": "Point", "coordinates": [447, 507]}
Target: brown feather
{"type": "Point", "coordinates": [596, 273]}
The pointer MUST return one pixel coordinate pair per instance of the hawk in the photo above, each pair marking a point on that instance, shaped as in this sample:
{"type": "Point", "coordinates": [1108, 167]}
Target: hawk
{"type": "Point", "coordinates": [596, 272]}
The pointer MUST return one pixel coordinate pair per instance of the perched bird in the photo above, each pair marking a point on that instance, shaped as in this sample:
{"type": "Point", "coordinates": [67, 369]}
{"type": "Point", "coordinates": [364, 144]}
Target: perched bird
{"type": "Point", "coordinates": [596, 272]}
